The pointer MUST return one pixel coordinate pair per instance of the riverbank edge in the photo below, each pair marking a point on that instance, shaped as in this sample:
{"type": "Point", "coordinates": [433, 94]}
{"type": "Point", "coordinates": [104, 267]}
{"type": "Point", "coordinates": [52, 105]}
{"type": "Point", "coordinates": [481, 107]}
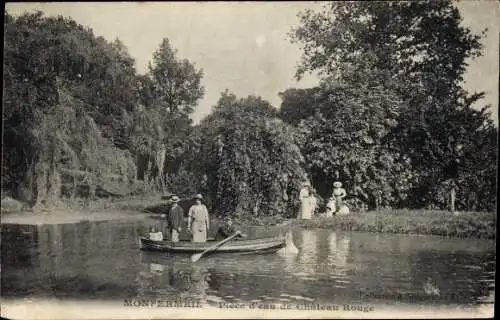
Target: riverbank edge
{"type": "Point", "coordinates": [478, 225]}
{"type": "Point", "coordinates": [66, 212]}
{"type": "Point", "coordinates": [475, 225]}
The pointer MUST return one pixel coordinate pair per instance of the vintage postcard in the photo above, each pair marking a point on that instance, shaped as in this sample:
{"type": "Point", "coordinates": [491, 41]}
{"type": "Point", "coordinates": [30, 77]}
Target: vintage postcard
{"type": "Point", "coordinates": [249, 160]}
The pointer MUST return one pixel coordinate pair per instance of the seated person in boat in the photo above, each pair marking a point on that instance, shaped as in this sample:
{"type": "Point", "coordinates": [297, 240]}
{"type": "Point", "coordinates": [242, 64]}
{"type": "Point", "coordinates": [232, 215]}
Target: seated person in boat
{"type": "Point", "coordinates": [154, 234]}
{"type": "Point", "coordinates": [227, 229]}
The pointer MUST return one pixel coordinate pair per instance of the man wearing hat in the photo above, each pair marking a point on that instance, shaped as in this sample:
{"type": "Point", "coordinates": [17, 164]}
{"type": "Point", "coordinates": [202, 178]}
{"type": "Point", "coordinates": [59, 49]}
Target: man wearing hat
{"type": "Point", "coordinates": [198, 221]}
{"type": "Point", "coordinates": [175, 217]}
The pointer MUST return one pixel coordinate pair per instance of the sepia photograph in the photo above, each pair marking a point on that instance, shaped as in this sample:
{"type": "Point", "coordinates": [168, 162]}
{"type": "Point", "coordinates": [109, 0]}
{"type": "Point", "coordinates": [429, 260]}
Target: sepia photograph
{"type": "Point", "coordinates": [249, 160]}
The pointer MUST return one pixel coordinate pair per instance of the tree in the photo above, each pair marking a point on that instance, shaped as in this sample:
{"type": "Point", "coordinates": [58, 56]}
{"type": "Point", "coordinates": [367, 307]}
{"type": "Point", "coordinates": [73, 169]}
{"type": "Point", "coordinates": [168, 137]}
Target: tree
{"type": "Point", "coordinates": [170, 90]}
{"type": "Point", "coordinates": [56, 109]}
{"type": "Point", "coordinates": [176, 83]}
{"type": "Point", "coordinates": [415, 39]}
{"type": "Point", "coordinates": [248, 157]}
{"type": "Point", "coordinates": [416, 50]}
{"type": "Point", "coordinates": [298, 104]}
{"type": "Point", "coordinates": [344, 138]}
{"type": "Point", "coordinates": [447, 143]}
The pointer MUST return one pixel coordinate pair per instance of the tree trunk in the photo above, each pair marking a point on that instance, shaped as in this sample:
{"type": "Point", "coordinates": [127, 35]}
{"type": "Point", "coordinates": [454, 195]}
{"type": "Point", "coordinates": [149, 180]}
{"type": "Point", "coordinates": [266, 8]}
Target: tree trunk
{"type": "Point", "coordinates": [452, 199]}
{"type": "Point", "coordinates": [160, 164]}
{"type": "Point", "coordinates": [30, 185]}
{"type": "Point", "coordinates": [73, 192]}
{"type": "Point", "coordinates": [40, 181]}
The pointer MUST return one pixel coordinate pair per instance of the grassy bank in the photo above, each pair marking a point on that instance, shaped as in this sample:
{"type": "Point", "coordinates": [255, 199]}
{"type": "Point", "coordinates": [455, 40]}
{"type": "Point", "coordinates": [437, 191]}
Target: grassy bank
{"type": "Point", "coordinates": [481, 225]}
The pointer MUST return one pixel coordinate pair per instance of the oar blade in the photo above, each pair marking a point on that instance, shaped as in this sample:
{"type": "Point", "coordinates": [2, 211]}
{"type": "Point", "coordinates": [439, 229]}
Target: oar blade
{"type": "Point", "coordinates": [195, 257]}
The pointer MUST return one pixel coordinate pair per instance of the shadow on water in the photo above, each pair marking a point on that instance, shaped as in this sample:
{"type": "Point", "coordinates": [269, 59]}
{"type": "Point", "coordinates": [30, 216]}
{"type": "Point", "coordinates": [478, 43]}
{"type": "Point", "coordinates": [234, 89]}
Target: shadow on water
{"type": "Point", "coordinates": [102, 260]}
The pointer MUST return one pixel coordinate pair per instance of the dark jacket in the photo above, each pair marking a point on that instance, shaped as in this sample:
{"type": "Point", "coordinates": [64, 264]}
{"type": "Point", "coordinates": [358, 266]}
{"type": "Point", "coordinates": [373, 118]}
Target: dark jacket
{"type": "Point", "coordinates": [225, 231]}
{"type": "Point", "coordinates": [175, 217]}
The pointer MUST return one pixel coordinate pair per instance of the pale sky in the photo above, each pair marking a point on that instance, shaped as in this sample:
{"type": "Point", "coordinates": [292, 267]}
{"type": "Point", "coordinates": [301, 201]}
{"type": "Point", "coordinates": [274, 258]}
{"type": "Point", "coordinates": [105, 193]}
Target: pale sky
{"type": "Point", "coordinates": [243, 46]}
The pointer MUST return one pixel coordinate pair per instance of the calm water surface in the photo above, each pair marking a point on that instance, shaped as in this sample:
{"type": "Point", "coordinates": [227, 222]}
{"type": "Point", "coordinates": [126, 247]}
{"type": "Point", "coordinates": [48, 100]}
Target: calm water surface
{"type": "Point", "coordinates": [102, 260]}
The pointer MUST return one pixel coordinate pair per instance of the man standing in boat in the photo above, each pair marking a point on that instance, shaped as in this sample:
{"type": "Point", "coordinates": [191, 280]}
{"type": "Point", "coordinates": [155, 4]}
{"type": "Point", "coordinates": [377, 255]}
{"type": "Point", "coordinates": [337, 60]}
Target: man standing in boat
{"type": "Point", "coordinates": [175, 217]}
{"type": "Point", "coordinates": [198, 221]}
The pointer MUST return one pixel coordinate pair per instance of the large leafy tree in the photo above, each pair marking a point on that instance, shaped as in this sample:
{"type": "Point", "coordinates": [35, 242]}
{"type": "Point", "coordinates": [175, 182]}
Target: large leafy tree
{"type": "Point", "coordinates": [60, 109]}
{"type": "Point", "coordinates": [168, 94]}
{"type": "Point", "coordinates": [248, 158]}
{"type": "Point", "coordinates": [415, 39]}
{"type": "Point", "coordinates": [176, 82]}
{"type": "Point", "coordinates": [344, 138]}
{"type": "Point", "coordinates": [416, 51]}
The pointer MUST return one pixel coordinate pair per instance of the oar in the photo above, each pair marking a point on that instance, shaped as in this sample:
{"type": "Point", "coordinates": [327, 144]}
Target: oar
{"type": "Point", "coordinates": [196, 257]}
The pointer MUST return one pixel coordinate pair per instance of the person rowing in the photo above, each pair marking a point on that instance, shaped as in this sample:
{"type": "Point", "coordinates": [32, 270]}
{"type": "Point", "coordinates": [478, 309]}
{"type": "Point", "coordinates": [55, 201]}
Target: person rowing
{"type": "Point", "coordinates": [227, 229]}
{"type": "Point", "coordinates": [225, 233]}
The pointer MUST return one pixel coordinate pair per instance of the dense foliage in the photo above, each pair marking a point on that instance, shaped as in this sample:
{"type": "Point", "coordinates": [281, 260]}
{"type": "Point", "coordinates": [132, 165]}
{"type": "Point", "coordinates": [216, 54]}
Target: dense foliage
{"type": "Point", "coordinates": [344, 139]}
{"type": "Point", "coordinates": [73, 101]}
{"type": "Point", "coordinates": [65, 99]}
{"type": "Point", "coordinates": [246, 159]}
{"type": "Point", "coordinates": [389, 119]}
{"type": "Point", "coordinates": [396, 122]}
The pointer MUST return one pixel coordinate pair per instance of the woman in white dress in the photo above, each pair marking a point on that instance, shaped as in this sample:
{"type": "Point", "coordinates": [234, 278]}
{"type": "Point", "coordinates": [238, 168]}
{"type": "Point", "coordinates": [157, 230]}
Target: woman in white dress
{"type": "Point", "coordinates": [198, 221]}
{"type": "Point", "coordinates": [339, 194]}
{"type": "Point", "coordinates": [330, 207]}
{"type": "Point", "coordinates": [305, 212]}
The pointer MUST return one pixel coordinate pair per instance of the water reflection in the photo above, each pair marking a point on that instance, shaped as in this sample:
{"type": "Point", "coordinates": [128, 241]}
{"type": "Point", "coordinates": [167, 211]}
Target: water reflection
{"type": "Point", "coordinates": [307, 256]}
{"type": "Point", "coordinates": [170, 279]}
{"type": "Point", "coordinates": [102, 260]}
{"type": "Point", "coordinates": [338, 253]}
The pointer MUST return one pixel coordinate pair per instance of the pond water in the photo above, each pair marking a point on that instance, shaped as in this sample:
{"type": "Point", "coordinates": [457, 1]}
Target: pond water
{"type": "Point", "coordinates": [102, 261]}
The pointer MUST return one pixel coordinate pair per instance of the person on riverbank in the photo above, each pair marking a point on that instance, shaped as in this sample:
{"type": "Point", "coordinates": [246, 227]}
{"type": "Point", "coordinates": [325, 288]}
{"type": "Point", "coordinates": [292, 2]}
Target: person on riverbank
{"type": "Point", "coordinates": [227, 229]}
{"type": "Point", "coordinates": [313, 198]}
{"type": "Point", "coordinates": [174, 219]}
{"type": "Point", "coordinates": [306, 205]}
{"type": "Point", "coordinates": [330, 207]}
{"type": "Point", "coordinates": [198, 221]}
{"type": "Point", "coordinates": [339, 194]}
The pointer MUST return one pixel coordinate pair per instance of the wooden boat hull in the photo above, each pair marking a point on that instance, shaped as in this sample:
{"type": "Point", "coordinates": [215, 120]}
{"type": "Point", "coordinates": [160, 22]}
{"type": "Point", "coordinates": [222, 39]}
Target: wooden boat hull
{"type": "Point", "coordinates": [264, 245]}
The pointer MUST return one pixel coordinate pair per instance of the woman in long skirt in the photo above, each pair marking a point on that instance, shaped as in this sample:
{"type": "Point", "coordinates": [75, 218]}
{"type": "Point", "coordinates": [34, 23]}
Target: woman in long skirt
{"type": "Point", "coordinates": [305, 212]}
{"type": "Point", "coordinates": [339, 194]}
{"type": "Point", "coordinates": [198, 221]}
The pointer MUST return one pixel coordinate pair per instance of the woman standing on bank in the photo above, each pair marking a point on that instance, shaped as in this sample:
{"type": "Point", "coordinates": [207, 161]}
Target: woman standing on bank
{"type": "Point", "coordinates": [306, 209]}
{"type": "Point", "coordinates": [198, 221]}
{"type": "Point", "coordinates": [339, 194]}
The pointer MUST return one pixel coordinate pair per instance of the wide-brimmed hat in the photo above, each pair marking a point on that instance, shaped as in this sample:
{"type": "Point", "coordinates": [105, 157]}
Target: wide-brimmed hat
{"type": "Point", "coordinates": [175, 199]}
{"type": "Point", "coordinates": [198, 196]}
{"type": "Point", "coordinates": [337, 184]}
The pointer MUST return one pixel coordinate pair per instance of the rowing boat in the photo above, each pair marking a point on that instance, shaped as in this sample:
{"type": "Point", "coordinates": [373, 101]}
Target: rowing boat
{"type": "Point", "coordinates": [262, 245]}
